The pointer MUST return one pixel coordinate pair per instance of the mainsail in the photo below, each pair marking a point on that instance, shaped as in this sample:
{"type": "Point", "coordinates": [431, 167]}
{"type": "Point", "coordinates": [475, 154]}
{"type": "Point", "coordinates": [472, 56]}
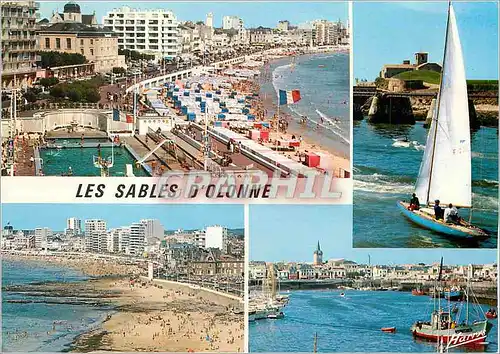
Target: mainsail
{"type": "Point", "coordinates": [445, 172]}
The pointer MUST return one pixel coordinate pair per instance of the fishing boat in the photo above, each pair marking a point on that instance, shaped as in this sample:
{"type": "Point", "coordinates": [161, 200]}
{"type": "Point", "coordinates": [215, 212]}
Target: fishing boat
{"type": "Point", "coordinates": [445, 170]}
{"type": "Point", "coordinates": [388, 329]}
{"type": "Point", "coordinates": [454, 330]}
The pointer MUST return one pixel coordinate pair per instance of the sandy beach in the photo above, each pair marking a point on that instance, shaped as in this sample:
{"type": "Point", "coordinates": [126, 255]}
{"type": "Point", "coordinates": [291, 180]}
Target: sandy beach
{"type": "Point", "coordinates": [166, 317]}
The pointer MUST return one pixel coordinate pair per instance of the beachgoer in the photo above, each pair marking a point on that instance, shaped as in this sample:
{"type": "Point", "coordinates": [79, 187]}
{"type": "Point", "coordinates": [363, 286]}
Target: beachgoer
{"type": "Point", "coordinates": [451, 214]}
{"type": "Point", "coordinates": [414, 203]}
{"type": "Point", "coordinates": [438, 211]}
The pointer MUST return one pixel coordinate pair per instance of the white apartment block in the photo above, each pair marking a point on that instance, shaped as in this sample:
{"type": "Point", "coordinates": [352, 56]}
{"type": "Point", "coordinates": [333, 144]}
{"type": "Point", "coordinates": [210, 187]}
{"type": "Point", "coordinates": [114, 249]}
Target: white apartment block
{"type": "Point", "coordinates": [94, 228]}
{"type": "Point", "coordinates": [209, 21]}
{"type": "Point", "coordinates": [154, 230]}
{"type": "Point", "coordinates": [73, 227]}
{"type": "Point", "coordinates": [41, 236]}
{"type": "Point", "coordinates": [232, 22]}
{"type": "Point", "coordinates": [283, 25]}
{"type": "Point", "coordinates": [325, 33]}
{"type": "Point", "coordinates": [216, 237]}
{"type": "Point", "coordinates": [146, 31]}
{"type": "Point", "coordinates": [137, 239]}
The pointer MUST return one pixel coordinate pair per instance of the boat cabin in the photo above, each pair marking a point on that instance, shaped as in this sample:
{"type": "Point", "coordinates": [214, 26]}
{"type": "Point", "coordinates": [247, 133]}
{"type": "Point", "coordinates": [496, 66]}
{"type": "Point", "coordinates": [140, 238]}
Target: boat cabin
{"type": "Point", "coordinates": [440, 320]}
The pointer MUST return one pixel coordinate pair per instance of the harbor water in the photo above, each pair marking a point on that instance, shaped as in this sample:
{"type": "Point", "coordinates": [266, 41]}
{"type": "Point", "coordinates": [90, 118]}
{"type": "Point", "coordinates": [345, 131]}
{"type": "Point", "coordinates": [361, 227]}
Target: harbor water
{"type": "Point", "coordinates": [29, 327]}
{"type": "Point", "coordinates": [349, 324]}
{"type": "Point", "coordinates": [385, 171]}
{"type": "Point", "coordinates": [323, 81]}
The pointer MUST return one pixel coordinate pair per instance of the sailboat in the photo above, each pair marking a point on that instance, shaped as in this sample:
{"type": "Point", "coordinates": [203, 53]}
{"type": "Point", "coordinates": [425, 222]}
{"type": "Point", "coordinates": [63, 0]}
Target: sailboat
{"type": "Point", "coordinates": [445, 171]}
{"type": "Point", "coordinates": [447, 328]}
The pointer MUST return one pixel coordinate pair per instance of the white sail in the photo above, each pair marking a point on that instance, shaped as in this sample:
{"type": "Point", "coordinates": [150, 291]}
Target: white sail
{"type": "Point", "coordinates": [422, 185]}
{"type": "Point", "coordinates": [448, 173]}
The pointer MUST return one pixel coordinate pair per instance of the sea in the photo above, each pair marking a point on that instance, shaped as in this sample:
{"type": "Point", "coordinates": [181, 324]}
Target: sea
{"type": "Point", "coordinates": [323, 82]}
{"type": "Point", "coordinates": [350, 324]}
{"type": "Point", "coordinates": [29, 327]}
{"type": "Point", "coordinates": [385, 171]}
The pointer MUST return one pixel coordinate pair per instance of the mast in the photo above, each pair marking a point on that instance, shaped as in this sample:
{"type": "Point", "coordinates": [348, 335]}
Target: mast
{"type": "Point", "coordinates": [438, 104]}
{"type": "Point", "coordinates": [467, 299]}
{"type": "Point", "coordinates": [315, 348]}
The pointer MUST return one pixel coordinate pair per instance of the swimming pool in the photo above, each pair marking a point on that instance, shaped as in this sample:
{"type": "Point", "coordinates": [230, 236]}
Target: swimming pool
{"type": "Point", "coordinates": [56, 162]}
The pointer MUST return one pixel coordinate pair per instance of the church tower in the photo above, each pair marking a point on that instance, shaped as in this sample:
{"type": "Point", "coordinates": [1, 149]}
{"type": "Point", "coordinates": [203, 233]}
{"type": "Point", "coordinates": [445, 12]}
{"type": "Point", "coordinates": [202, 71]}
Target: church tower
{"type": "Point", "coordinates": [318, 256]}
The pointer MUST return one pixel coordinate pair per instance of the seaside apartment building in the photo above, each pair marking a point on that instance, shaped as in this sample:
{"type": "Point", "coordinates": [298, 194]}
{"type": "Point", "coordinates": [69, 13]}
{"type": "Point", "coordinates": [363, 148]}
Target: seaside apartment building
{"type": "Point", "coordinates": [95, 233]}
{"type": "Point", "coordinates": [137, 238]}
{"type": "Point", "coordinates": [232, 22]}
{"type": "Point", "coordinates": [216, 237]}
{"type": "Point", "coordinates": [146, 31]}
{"type": "Point", "coordinates": [19, 43]}
{"type": "Point", "coordinates": [154, 230]}
{"type": "Point", "coordinates": [41, 236]}
{"type": "Point", "coordinates": [73, 227]}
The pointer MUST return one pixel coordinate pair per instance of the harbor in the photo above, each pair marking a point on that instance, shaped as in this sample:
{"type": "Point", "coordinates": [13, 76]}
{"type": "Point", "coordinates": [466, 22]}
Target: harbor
{"type": "Point", "coordinates": [358, 314]}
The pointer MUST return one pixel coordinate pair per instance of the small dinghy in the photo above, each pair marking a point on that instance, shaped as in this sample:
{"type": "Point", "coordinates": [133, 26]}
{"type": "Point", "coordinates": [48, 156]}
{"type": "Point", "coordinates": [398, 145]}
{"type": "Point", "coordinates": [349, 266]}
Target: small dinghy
{"type": "Point", "coordinates": [491, 314]}
{"type": "Point", "coordinates": [388, 329]}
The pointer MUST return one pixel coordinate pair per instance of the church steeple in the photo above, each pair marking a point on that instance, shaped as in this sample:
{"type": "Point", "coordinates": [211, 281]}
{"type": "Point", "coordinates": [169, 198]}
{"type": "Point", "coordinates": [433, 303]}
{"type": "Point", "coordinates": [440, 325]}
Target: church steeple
{"type": "Point", "coordinates": [319, 248]}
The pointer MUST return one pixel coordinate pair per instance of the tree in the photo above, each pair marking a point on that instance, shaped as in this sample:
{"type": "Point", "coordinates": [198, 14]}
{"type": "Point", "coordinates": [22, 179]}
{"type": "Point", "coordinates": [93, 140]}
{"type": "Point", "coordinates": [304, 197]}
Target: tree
{"type": "Point", "coordinates": [49, 82]}
{"type": "Point", "coordinates": [30, 96]}
{"type": "Point", "coordinates": [74, 95]}
{"type": "Point", "coordinates": [119, 70]}
{"type": "Point", "coordinates": [93, 96]}
{"type": "Point", "coordinates": [57, 91]}
{"type": "Point", "coordinates": [54, 59]}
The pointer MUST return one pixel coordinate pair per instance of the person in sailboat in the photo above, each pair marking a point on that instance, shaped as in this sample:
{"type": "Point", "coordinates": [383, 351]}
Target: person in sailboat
{"type": "Point", "coordinates": [438, 211]}
{"type": "Point", "coordinates": [451, 215]}
{"type": "Point", "coordinates": [414, 203]}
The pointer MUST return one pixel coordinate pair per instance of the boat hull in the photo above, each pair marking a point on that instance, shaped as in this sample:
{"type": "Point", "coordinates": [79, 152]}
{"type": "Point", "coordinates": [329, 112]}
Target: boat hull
{"type": "Point", "coordinates": [472, 335]}
{"type": "Point", "coordinates": [428, 222]}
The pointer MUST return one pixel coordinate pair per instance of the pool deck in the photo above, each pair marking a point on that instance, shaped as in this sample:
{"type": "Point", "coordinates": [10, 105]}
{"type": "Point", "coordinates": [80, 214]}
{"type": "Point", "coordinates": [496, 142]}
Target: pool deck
{"type": "Point", "coordinates": [141, 148]}
{"type": "Point", "coordinates": [24, 165]}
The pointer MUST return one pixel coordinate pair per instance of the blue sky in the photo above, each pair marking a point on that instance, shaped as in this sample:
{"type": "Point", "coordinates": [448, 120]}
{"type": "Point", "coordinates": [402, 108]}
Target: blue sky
{"type": "Point", "coordinates": [183, 216]}
{"type": "Point", "coordinates": [253, 14]}
{"type": "Point", "coordinates": [291, 233]}
{"type": "Point", "coordinates": [388, 33]}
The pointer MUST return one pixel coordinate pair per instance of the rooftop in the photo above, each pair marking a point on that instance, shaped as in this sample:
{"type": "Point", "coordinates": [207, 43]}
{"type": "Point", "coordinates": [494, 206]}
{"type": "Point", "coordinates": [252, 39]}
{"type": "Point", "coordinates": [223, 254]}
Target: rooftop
{"type": "Point", "coordinates": [78, 28]}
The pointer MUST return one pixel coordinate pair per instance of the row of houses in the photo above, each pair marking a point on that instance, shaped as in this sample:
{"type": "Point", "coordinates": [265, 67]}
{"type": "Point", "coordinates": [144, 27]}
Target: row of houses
{"type": "Point", "coordinates": [345, 269]}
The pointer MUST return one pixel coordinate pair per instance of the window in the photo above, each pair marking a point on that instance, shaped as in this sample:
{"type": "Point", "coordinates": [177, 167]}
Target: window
{"type": "Point", "coordinates": [47, 42]}
{"type": "Point", "coordinates": [81, 41]}
{"type": "Point", "coordinates": [91, 52]}
{"type": "Point", "coordinates": [58, 43]}
{"type": "Point", "coordinates": [68, 43]}
{"type": "Point", "coordinates": [81, 50]}
{"type": "Point", "coordinates": [91, 41]}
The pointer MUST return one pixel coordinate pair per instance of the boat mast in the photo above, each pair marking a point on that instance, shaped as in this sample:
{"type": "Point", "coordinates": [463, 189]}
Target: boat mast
{"type": "Point", "coordinates": [315, 348]}
{"type": "Point", "coordinates": [467, 299]}
{"type": "Point", "coordinates": [438, 104]}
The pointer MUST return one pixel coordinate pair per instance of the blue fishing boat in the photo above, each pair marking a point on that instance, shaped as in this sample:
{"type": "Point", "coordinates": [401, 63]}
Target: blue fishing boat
{"type": "Point", "coordinates": [445, 172]}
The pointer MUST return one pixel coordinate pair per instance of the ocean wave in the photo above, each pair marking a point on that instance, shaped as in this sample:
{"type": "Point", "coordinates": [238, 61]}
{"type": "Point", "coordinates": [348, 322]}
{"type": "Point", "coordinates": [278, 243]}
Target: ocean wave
{"type": "Point", "coordinates": [383, 187]}
{"type": "Point", "coordinates": [486, 203]}
{"type": "Point", "coordinates": [408, 144]}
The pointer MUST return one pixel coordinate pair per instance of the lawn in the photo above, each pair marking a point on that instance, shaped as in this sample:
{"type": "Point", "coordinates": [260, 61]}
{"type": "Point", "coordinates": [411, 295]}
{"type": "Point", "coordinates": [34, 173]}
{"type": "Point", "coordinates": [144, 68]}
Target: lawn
{"type": "Point", "coordinates": [433, 77]}
{"type": "Point", "coordinates": [430, 77]}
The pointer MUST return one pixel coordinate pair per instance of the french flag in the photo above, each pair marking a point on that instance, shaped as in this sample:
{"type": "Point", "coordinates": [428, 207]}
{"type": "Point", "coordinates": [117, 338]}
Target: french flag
{"type": "Point", "coordinates": [288, 97]}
